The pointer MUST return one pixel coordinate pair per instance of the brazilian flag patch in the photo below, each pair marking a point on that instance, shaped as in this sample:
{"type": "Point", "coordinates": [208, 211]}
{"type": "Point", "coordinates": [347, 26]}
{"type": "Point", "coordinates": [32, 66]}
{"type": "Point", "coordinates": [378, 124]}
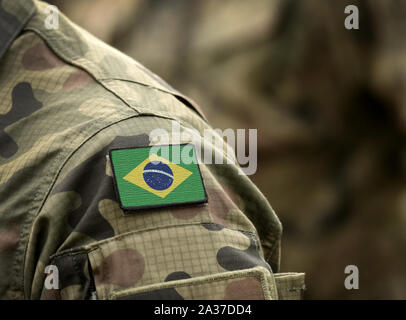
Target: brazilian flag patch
{"type": "Point", "coordinates": [146, 179]}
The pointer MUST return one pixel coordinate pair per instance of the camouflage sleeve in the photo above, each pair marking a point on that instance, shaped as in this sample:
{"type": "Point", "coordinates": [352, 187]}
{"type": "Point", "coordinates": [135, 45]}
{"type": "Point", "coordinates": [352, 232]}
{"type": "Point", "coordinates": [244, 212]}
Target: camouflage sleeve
{"type": "Point", "coordinates": [68, 100]}
{"type": "Point", "coordinates": [209, 251]}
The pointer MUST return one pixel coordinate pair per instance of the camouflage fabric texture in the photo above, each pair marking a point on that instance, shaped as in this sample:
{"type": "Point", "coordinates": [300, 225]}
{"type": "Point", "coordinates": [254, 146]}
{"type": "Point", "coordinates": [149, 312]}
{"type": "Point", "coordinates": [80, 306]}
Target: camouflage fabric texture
{"type": "Point", "coordinates": [66, 100]}
{"type": "Point", "coordinates": [329, 104]}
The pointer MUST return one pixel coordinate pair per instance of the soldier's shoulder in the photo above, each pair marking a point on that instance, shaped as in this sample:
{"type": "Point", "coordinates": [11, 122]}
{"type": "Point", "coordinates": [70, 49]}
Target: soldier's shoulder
{"type": "Point", "coordinates": [137, 87]}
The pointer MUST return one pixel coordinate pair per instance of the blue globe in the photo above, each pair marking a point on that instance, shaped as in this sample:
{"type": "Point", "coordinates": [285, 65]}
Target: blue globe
{"type": "Point", "coordinates": [158, 175]}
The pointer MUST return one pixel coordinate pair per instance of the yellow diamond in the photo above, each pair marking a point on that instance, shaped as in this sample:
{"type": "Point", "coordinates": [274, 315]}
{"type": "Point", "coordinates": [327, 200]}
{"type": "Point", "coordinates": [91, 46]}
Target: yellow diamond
{"type": "Point", "coordinates": [136, 176]}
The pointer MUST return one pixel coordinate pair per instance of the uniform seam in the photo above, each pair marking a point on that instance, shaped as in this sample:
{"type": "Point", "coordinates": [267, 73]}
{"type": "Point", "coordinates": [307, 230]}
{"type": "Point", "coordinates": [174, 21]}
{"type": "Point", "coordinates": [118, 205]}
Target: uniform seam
{"type": "Point", "coordinates": [303, 287]}
{"type": "Point", "coordinates": [78, 66]}
{"type": "Point", "coordinates": [101, 79]}
{"type": "Point", "coordinates": [97, 244]}
{"type": "Point", "coordinates": [70, 59]}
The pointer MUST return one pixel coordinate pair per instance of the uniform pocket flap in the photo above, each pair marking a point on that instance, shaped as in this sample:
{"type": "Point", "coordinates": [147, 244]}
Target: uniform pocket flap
{"type": "Point", "coordinates": [251, 284]}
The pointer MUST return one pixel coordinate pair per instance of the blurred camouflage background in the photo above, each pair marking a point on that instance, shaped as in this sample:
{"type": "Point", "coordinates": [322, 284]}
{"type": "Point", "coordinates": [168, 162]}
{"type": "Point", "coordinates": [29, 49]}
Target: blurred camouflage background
{"type": "Point", "coordinates": [329, 105]}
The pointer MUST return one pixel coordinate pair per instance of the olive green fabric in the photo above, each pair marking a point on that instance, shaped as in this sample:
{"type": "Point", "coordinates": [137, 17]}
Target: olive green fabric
{"type": "Point", "coordinates": [291, 286]}
{"type": "Point", "coordinates": [67, 99]}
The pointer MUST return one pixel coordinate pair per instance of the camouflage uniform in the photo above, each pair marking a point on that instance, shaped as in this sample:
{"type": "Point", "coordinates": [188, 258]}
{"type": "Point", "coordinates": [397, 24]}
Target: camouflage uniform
{"type": "Point", "coordinates": [66, 100]}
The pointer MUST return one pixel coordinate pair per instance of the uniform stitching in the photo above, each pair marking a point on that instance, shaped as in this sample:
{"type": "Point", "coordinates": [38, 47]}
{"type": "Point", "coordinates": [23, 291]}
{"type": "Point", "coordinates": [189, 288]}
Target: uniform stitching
{"type": "Point", "coordinates": [257, 273]}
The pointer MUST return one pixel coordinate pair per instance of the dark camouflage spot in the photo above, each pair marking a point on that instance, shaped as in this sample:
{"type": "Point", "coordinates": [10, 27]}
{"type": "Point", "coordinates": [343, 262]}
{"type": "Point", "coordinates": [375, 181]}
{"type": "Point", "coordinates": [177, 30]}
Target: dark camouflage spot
{"type": "Point", "coordinates": [212, 226]}
{"type": "Point", "coordinates": [235, 259]}
{"type": "Point", "coordinates": [71, 269]}
{"type": "Point", "coordinates": [23, 105]}
{"type": "Point", "coordinates": [90, 181]}
{"type": "Point", "coordinates": [123, 267]}
{"type": "Point", "coordinates": [179, 275]}
{"type": "Point", "coordinates": [245, 289]}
